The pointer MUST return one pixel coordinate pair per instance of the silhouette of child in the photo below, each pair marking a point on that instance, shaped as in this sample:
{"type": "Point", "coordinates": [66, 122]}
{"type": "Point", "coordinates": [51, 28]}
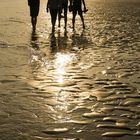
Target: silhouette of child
{"type": "Point", "coordinates": [63, 7]}
{"type": "Point", "coordinates": [76, 7]}
{"type": "Point", "coordinates": [34, 11]}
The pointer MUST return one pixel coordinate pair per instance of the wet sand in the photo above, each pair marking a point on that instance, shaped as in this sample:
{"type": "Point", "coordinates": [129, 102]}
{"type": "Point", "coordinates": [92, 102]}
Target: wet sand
{"type": "Point", "coordinates": [74, 85]}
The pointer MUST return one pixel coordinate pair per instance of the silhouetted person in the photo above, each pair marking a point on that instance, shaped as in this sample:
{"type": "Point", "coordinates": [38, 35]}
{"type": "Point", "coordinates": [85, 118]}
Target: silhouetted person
{"type": "Point", "coordinates": [76, 7]}
{"type": "Point", "coordinates": [34, 11]}
{"type": "Point", "coordinates": [63, 8]}
{"type": "Point", "coordinates": [53, 6]}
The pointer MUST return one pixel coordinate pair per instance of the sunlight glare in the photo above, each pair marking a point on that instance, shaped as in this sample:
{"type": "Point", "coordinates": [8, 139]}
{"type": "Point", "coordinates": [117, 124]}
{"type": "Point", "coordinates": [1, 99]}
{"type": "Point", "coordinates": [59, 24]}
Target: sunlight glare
{"type": "Point", "coordinates": [61, 61]}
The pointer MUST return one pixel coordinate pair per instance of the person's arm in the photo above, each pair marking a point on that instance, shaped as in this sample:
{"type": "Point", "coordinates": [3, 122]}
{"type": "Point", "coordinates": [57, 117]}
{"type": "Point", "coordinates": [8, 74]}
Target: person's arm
{"type": "Point", "coordinates": [70, 2]}
{"type": "Point", "coordinates": [47, 8]}
{"type": "Point", "coordinates": [29, 2]}
{"type": "Point", "coordinates": [70, 6]}
{"type": "Point", "coordinates": [84, 4]}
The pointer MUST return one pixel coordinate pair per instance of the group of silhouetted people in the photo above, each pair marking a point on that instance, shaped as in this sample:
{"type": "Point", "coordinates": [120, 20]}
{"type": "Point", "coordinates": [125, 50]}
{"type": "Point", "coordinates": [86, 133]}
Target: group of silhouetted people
{"type": "Point", "coordinates": [56, 8]}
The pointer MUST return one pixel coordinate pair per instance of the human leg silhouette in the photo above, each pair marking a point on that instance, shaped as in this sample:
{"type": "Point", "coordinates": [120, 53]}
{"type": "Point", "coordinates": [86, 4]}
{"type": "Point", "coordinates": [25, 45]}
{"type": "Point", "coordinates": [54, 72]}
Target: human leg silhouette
{"type": "Point", "coordinates": [82, 19]}
{"type": "Point", "coordinates": [65, 17]}
{"type": "Point", "coordinates": [59, 16]}
{"type": "Point", "coordinates": [53, 13]}
{"type": "Point", "coordinates": [34, 21]}
{"type": "Point", "coordinates": [73, 19]}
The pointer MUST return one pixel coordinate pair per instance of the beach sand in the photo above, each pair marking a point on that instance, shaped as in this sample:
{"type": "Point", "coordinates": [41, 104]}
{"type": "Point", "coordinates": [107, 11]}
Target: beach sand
{"type": "Point", "coordinates": [70, 85]}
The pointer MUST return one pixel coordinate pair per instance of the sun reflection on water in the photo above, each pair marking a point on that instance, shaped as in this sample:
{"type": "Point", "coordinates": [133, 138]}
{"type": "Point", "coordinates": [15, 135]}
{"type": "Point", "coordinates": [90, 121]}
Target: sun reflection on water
{"type": "Point", "coordinates": [57, 69]}
{"type": "Point", "coordinates": [61, 62]}
{"type": "Point", "coordinates": [62, 59]}
{"type": "Point", "coordinates": [62, 107]}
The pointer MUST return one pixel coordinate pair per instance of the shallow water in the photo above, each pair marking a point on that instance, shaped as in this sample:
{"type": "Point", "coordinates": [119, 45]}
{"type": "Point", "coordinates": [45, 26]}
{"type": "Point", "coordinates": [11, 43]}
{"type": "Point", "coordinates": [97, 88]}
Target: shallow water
{"type": "Point", "coordinates": [68, 85]}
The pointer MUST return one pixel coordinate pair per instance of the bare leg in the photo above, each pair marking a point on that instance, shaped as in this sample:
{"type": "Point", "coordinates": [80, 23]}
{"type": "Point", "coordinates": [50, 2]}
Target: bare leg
{"type": "Point", "coordinates": [53, 18]}
{"type": "Point", "coordinates": [73, 20]}
{"type": "Point", "coordinates": [34, 21]}
{"type": "Point", "coordinates": [82, 19]}
{"type": "Point", "coordinates": [65, 17]}
{"type": "Point", "coordinates": [59, 17]}
{"type": "Point", "coordinates": [53, 23]}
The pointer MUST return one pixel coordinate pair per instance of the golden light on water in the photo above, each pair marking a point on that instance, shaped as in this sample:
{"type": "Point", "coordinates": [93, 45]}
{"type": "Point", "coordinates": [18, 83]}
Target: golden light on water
{"type": "Point", "coordinates": [59, 67]}
{"type": "Point", "coordinates": [61, 61]}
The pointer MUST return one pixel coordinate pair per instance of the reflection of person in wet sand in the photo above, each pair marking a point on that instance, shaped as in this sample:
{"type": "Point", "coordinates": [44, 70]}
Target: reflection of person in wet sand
{"type": "Point", "coordinates": [53, 43]}
{"type": "Point", "coordinates": [53, 7]}
{"type": "Point", "coordinates": [63, 8]}
{"type": "Point", "coordinates": [34, 11]}
{"type": "Point", "coordinates": [34, 51]}
{"type": "Point", "coordinates": [76, 7]}
{"type": "Point", "coordinates": [34, 40]}
{"type": "Point", "coordinates": [58, 42]}
{"type": "Point", "coordinates": [37, 55]}
{"type": "Point", "coordinates": [80, 39]}
{"type": "Point", "coordinates": [52, 40]}
{"type": "Point", "coordinates": [62, 40]}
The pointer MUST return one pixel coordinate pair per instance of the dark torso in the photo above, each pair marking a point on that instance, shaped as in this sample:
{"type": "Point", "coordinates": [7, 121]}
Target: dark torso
{"type": "Point", "coordinates": [77, 2]}
{"type": "Point", "coordinates": [34, 3]}
{"type": "Point", "coordinates": [34, 7]}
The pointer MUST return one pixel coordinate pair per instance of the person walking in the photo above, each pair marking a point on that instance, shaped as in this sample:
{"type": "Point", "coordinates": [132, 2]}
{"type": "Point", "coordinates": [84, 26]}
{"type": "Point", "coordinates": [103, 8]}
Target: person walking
{"type": "Point", "coordinates": [34, 11]}
{"type": "Point", "coordinates": [53, 6]}
{"type": "Point", "coordinates": [76, 7]}
{"type": "Point", "coordinates": [63, 8]}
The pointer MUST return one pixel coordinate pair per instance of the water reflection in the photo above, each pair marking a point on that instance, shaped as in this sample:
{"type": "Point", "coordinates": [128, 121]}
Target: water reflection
{"type": "Point", "coordinates": [61, 108]}
{"type": "Point", "coordinates": [53, 43]}
{"type": "Point", "coordinates": [34, 40]}
{"type": "Point", "coordinates": [61, 62]}
{"type": "Point", "coordinates": [62, 57]}
{"type": "Point", "coordinates": [58, 41]}
{"type": "Point", "coordinates": [62, 40]}
{"type": "Point", "coordinates": [51, 72]}
{"type": "Point", "coordinates": [79, 39]}
{"type": "Point", "coordinates": [34, 50]}
{"type": "Point", "coordinates": [38, 59]}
